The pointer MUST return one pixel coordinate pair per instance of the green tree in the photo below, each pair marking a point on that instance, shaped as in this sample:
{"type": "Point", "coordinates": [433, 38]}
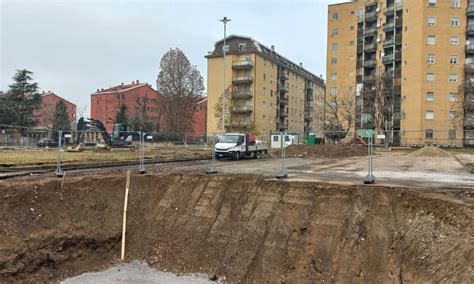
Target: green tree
{"type": "Point", "coordinates": [60, 117]}
{"type": "Point", "coordinates": [121, 116]}
{"type": "Point", "coordinates": [20, 101]}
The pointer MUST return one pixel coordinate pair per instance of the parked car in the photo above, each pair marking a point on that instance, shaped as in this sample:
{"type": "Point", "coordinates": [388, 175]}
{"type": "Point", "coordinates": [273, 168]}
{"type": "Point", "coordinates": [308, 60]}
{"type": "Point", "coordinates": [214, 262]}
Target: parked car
{"type": "Point", "coordinates": [47, 143]}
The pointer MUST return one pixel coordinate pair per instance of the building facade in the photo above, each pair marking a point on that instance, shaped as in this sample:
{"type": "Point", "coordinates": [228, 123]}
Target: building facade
{"type": "Point", "coordinates": [200, 117]}
{"type": "Point", "coordinates": [44, 114]}
{"type": "Point", "coordinates": [266, 92]}
{"type": "Point", "coordinates": [406, 64]}
{"type": "Point", "coordinates": [140, 98]}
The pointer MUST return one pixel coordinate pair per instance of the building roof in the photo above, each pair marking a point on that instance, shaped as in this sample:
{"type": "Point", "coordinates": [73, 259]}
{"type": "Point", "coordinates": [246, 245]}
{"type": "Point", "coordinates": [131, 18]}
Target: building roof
{"type": "Point", "coordinates": [121, 88]}
{"type": "Point", "coordinates": [267, 52]}
{"type": "Point", "coordinates": [49, 93]}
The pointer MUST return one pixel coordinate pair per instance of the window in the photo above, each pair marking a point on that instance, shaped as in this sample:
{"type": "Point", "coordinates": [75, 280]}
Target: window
{"type": "Point", "coordinates": [454, 22]}
{"type": "Point", "coordinates": [351, 43]}
{"type": "Point", "coordinates": [430, 77]}
{"type": "Point", "coordinates": [333, 61]}
{"type": "Point", "coordinates": [451, 115]}
{"type": "Point", "coordinates": [429, 114]}
{"type": "Point", "coordinates": [264, 76]}
{"type": "Point", "coordinates": [453, 59]}
{"type": "Point", "coordinates": [456, 3]}
{"type": "Point", "coordinates": [431, 40]}
{"type": "Point", "coordinates": [335, 31]}
{"type": "Point", "coordinates": [432, 3]}
{"type": "Point", "coordinates": [453, 78]}
{"type": "Point", "coordinates": [430, 59]}
{"type": "Point", "coordinates": [429, 133]}
{"type": "Point", "coordinates": [452, 134]}
{"type": "Point", "coordinates": [333, 90]}
{"type": "Point", "coordinates": [335, 16]}
{"type": "Point", "coordinates": [352, 28]}
{"type": "Point", "coordinates": [430, 96]}
{"type": "Point", "coordinates": [334, 46]}
{"type": "Point", "coordinates": [352, 12]}
{"type": "Point", "coordinates": [351, 57]}
{"type": "Point", "coordinates": [453, 97]}
{"type": "Point", "coordinates": [242, 46]}
{"type": "Point", "coordinates": [334, 76]}
{"type": "Point", "coordinates": [432, 21]}
{"type": "Point", "coordinates": [454, 40]}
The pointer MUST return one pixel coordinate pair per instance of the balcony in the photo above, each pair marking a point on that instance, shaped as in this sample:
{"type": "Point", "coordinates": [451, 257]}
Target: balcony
{"type": "Point", "coordinates": [283, 89]}
{"type": "Point", "coordinates": [371, 17]}
{"type": "Point", "coordinates": [389, 42]}
{"type": "Point", "coordinates": [470, 48]}
{"type": "Point", "coordinates": [470, 29]}
{"type": "Point", "coordinates": [308, 116]}
{"type": "Point", "coordinates": [370, 47]}
{"type": "Point", "coordinates": [309, 97]}
{"type": "Point", "coordinates": [283, 101]}
{"type": "Point", "coordinates": [283, 126]}
{"type": "Point", "coordinates": [369, 78]}
{"type": "Point", "coordinates": [242, 95]}
{"type": "Point", "coordinates": [309, 88]}
{"type": "Point", "coordinates": [244, 123]}
{"type": "Point", "coordinates": [242, 79]}
{"type": "Point", "coordinates": [470, 11]}
{"type": "Point", "coordinates": [388, 26]}
{"type": "Point", "coordinates": [284, 76]}
{"type": "Point", "coordinates": [387, 59]}
{"type": "Point", "coordinates": [469, 67]}
{"type": "Point", "coordinates": [283, 114]}
{"type": "Point", "coordinates": [398, 55]}
{"type": "Point", "coordinates": [399, 22]}
{"type": "Point", "coordinates": [370, 31]}
{"type": "Point", "coordinates": [359, 64]}
{"type": "Point", "coordinates": [242, 64]}
{"type": "Point", "coordinates": [242, 109]}
{"type": "Point", "coordinates": [469, 102]}
{"type": "Point", "coordinates": [370, 63]}
{"type": "Point", "coordinates": [309, 108]}
{"type": "Point", "coordinates": [390, 10]}
{"type": "Point", "coordinates": [398, 39]}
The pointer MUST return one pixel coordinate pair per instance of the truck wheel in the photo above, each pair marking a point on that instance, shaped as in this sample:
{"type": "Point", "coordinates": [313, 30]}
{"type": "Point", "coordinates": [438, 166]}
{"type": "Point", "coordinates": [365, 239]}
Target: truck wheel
{"type": "Point", "coordinates": [237, 155]}
{"type": "Point", "coordinates": [259, 155]}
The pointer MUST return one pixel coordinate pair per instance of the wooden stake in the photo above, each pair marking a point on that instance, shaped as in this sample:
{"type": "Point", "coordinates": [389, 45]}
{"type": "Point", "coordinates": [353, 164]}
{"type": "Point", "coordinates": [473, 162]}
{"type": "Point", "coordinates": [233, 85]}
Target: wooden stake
{"type": "Point", "coordinates": [124, 227]}
{"type": "Point", "coordinates": [62, 181]}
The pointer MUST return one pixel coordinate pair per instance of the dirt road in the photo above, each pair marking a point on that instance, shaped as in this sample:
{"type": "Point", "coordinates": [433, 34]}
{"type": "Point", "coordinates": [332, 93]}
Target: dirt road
{"type": "Point", "coordinates": [240, 227]}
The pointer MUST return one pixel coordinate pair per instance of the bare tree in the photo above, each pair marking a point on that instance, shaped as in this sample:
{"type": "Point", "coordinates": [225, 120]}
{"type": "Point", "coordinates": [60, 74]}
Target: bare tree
{"type": "Point", "coordinates": [463, 105]}
{"type": "Point", "coordinates": [228, 121]}
{"type": "Point", "coordinates": [339, 114]}
{"type": "Point", "coordinates": [180, 85]}
{"type": "Point", "coordinates": [140, 119]}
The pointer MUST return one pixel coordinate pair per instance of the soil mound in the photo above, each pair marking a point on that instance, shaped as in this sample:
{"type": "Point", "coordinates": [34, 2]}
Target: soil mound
{"type": "Point", "coordinates": [243, 228]}
{"type": "Point", "coordinates": [430, 151]}
{"type": "Point", "coordinates": [323, 151]}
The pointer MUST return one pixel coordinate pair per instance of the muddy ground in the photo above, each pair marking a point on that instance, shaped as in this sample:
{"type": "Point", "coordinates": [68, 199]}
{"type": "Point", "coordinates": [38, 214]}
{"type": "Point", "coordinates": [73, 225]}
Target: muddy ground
{"type": "Point", "coordinates": [241, 228]}
{"type": "Point", "coordinates": [322, 151]}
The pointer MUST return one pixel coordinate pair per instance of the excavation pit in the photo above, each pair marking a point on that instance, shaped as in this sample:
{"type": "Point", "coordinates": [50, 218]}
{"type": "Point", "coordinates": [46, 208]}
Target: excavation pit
{"type": "Point", "coordinates": [236, 227]}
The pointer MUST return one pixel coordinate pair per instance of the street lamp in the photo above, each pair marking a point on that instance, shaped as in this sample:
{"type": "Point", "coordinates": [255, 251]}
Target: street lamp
{"type": "Point", "coordinates": [225, 21]}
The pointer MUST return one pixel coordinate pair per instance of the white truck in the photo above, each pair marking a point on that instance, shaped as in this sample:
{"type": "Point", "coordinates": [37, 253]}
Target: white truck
{"type": "Point", "coordinates": [240, 145]}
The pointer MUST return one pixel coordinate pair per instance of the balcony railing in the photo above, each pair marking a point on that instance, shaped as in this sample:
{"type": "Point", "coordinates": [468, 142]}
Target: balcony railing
{"type": "Point", "coordinates": [242, 64]}
{"type": "Point", "coordinates": [371, 17]}
{"type": "Point", "coordinates": [470, 48]}
{"type": "Point", "coordinates": [390, 41]}
{"type": "Point", "coordinates": [470, 29]}
{"type": "Point", "coordinates": [284, 76]}
{"type": "Point", "coordinates": [283, 89]}
{"type": "Point", "coordinates": [369, 31]}
{"type": "Point", "coordinates": [284, 101]}
{"type": "Point", "coordinates": [398, 39]}
{"type": "Point", "coordinates": [391, 9]}
{"type": "Point", "coordinates": [469, 66]}
{"type": "Point", "coordinates": [369, 78]}
{"type": "Point", "coordinates": [387, 59]}
{"type": "Point", "coordinates": [242, 109]}
{"type": "Point", "coordinates": [370, 63]}
{"type": "Point", "coordinates": [245, 95]}
{"type": "Point", "coordinates": [244, 123]}
{"type": "Point", "coordinates": [308, 116]}
{"type": "Point", "coordinates": [242, 79]}
{"type": "Point", "coordinates": [309, 97]}
{"type": "Point", "coordinates": [470, 11]}
{"type": "Point", "coordinates": [283, 114]}
{"type": "Point", "coordinates": [370, 47]}
{"type": "Point", "coordinates": [469, 102]}
{"type": "Point", "coordinates": [388, 26]}
{"type": "Point", "coordinates": [283, 126]}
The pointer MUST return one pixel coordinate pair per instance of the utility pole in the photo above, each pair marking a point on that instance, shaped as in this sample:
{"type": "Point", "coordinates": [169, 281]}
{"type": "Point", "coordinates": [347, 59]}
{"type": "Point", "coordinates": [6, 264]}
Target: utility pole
{"type": "Point", "coordinates": [225, 20]}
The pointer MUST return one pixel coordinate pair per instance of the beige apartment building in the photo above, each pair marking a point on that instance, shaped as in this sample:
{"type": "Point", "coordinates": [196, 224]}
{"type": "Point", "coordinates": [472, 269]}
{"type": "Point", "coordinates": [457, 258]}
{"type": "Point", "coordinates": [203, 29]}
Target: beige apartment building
{"type": "Point", "coordinates": [407, 65]}
{"type": "Point", "coordinates": [267, 92]}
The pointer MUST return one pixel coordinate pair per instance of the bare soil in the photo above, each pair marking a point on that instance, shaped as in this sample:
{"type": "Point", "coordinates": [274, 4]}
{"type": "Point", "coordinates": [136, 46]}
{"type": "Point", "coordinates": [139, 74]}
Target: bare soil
{"type": "Point", "coordinates": [323, 151]}
{"type": "Point", "coordinates": [241, 228]}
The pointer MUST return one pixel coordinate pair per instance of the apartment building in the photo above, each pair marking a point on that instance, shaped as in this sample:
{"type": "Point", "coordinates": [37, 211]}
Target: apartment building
{"type": "Point", "coordinates": [140, 98]}
{"type": "Point", "coordinates": [406, 64]}
{"type": "Point", "coordinates": [268, 92]}
{"type": "Point", "coordinates": [45, 113]}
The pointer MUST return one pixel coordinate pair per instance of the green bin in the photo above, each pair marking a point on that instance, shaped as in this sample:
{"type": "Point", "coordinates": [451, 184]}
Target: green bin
{"type": "Point", "coordinates": [311, 139]}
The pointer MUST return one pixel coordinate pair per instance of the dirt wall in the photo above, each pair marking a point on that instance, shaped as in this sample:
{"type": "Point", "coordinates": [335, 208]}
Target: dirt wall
{"type": "Point", "coordinates": [240, 228]}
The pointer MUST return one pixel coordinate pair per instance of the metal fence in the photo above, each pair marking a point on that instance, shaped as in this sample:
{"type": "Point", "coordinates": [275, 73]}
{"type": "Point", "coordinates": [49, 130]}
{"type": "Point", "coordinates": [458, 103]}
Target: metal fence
{"type": "Point", "coordinates": [428, 158]}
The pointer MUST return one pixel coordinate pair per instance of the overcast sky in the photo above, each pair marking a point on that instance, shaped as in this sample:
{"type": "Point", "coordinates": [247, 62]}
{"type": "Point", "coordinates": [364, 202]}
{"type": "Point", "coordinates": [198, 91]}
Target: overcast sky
{"type": "Point", "coordinates": [75, 47]}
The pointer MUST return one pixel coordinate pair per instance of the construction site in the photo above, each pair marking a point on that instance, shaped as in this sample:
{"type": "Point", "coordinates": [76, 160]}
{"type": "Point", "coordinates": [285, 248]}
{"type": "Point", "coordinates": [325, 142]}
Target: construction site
{"type": "Point", "coordinates": [242, 224]}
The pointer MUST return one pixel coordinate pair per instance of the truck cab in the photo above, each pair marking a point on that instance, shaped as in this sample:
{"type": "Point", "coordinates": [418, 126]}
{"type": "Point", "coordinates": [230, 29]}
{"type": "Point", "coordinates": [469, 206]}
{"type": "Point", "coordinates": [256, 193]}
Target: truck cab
{"type": "Point", "coordinates": [239, 145]}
